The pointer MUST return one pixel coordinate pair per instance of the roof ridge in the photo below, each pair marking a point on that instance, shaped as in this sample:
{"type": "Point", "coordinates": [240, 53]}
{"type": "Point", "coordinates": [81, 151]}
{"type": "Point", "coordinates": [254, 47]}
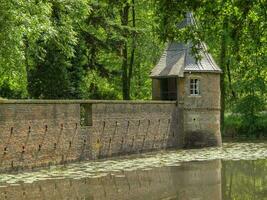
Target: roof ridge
{"type": "Point", "coordinates": [178, 57]}
{"type": "Point", "coordinates": [185, 57]}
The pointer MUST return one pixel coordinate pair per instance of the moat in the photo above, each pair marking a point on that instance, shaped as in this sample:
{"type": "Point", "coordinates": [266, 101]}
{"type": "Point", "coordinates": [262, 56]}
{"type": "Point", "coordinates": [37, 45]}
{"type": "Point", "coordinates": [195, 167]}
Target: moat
{"type": "Point", "coordinates": [235, 171]}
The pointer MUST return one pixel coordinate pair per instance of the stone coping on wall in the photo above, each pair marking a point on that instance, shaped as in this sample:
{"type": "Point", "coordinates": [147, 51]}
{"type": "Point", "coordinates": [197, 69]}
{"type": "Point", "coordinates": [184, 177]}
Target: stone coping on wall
{"type": "Point", "coordinates": [202, 109]}
{"type": "Point", "coordinates": [80, 101]}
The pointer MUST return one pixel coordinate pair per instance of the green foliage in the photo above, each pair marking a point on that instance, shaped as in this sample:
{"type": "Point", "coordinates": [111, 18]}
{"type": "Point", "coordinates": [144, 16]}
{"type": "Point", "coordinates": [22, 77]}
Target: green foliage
{"type": "Point", "coordinates": [94, 86]}
{"type": "Point", "coordinates": [49, 76]}
{"type": "Point", "coordinates": [235, 33]}
{"type": "Point", "coordinates": [9, 91]}
{"type": "Point", "coordinates": [18, 19]}
{"type": "Point", "coordinates": [233, 120]}
{"type": "Point", "coordinates": [236, 125]}
{"type": "Point", "coordinates": [49, 79]}
{"type": "Point", "coordinates": [106, 49]}
{"type": "Point", "coordinates": [31, 28]}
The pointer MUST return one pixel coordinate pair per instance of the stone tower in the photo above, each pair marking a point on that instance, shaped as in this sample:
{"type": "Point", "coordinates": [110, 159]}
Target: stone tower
{"type": "Point", "coordinates": [195, 85]}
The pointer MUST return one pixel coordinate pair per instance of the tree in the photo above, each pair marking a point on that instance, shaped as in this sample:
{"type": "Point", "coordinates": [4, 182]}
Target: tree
{"type": "Point", "coordinates": [234, 31]}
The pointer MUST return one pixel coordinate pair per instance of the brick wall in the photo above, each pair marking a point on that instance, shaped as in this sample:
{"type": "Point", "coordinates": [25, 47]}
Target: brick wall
{"type": "Point", "coordinates": [199, 115]}
{"type": "Point", "coordinates": [40, 133]}
{"type": "Point", "coordinates": [123, 128]}
{"type": "Point", "coordinates": [34, 135]}
{"type": "Point", "coordinates": [202, 113]}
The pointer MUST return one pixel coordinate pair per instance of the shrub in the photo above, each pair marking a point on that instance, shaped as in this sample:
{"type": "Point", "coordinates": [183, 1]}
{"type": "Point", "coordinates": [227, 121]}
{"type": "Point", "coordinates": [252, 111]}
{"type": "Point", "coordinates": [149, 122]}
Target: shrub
{"type": "Point", "coordinates": [238, 126]}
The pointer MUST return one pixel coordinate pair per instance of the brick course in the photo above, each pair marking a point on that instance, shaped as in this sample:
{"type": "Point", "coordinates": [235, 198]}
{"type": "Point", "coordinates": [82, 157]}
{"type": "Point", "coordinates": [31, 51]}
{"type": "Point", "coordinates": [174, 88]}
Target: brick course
{"type": "Point", "coordinates": [202, 113]}
{"type": "Point", "coordinates": [41, 133]}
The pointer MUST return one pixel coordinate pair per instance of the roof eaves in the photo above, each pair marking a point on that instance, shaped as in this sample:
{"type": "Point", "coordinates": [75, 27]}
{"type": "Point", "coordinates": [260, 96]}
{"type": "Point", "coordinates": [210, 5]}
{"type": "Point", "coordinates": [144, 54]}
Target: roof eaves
{"type": "Point", "coordinates": [164, 76]}
{"type": "Point", "coordinates": [204, 71]}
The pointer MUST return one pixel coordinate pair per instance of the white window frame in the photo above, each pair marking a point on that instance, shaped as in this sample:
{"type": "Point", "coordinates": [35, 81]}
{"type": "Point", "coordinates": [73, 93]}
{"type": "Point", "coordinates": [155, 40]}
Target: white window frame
{"type": "Point", "coordinates": [194, 87]}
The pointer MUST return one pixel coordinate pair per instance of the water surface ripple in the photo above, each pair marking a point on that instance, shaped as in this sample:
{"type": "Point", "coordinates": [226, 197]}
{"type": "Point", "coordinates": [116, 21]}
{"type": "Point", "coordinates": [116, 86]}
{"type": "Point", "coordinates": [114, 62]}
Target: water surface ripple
{"type": "Point", "coordinates": [117, 167]}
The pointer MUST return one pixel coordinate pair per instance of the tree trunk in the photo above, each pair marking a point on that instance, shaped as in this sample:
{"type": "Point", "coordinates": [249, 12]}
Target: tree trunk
{"type": "Point", "coordinates": [125, 91]}
{"type": "Point", "coordinates": [124, 22]}
{"type": "Point", "coordinates": [131, 64]}
{"type": "Point", "coordinates": [223, 67]}
{"type": "Point", "coordinates": [230, 79]}
{"type": "Point", "coordinates": [26, 53]}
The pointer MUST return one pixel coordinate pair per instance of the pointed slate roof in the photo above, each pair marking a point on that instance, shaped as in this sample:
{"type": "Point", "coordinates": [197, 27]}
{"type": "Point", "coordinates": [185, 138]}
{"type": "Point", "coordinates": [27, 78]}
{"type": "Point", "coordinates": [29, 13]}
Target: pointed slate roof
{"type": "Point", "coordinates": [178, 58]}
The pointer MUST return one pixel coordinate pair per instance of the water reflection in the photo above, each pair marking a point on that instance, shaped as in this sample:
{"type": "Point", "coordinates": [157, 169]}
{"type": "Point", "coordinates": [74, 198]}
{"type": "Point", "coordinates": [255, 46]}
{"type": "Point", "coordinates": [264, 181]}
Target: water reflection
{"type": "Point", "coordinates": [242, 180]}
{"type": "Point", "coordinates": [164, 176]}
{"type": "Point", "coordinates": [192, 180]}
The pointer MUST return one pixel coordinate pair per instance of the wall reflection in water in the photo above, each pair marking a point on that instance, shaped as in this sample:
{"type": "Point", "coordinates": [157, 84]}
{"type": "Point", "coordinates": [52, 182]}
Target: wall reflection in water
{"type": "Point", "coordinates": [209, 180]}
{"type": "Point", "coordinates": [192, 180]}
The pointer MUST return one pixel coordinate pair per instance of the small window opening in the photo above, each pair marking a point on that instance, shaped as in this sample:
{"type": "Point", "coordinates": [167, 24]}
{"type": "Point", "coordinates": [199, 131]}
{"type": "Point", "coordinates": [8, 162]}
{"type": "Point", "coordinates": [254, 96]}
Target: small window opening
{"type": "Point", "coordinates": [23, 149]}
{"type": "Point", "coordinates": [5, 150]}
{"type": "Point", "coordinates": [194, 87]}
{"type": "Point", "coordinates": [86, 115]}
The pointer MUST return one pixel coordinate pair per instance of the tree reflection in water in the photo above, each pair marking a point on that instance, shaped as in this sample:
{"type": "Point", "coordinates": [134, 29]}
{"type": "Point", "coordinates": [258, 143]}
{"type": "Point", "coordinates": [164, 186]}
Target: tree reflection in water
{"type": "Point", "coordinates": [244, 180]}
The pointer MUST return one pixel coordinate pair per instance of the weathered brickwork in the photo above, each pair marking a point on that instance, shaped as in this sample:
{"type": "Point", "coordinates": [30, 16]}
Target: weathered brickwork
{"type": "Point", "coordinates": [36, 134]}
{"type": "Point", "coordinates": [41, 133]}
{"type": "Point", "coordinates": [202, 112]}
{"type": "Point", "coordinates": [198, 113]}
{"type": "Point", "coordinates": [132, 128]}
{"type": "Point", "coordinates": [193, 180]}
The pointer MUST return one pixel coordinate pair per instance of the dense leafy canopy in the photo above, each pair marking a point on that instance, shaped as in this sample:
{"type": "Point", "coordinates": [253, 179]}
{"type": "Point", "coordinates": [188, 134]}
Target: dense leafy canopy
{"type": "Point", "coordinates": [105, 49]}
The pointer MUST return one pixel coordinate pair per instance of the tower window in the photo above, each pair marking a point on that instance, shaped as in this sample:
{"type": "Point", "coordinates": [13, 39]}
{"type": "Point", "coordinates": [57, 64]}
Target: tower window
{"type": "Point", "coordinates": [194, 87]}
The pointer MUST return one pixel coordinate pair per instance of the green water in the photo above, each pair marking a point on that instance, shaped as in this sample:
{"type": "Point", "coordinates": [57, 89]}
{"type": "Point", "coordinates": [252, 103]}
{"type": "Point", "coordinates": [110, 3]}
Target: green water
{"type": "Point", "coordinates": [237, 171]}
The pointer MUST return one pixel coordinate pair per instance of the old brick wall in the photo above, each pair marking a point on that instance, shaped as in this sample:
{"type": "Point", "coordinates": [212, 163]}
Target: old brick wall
{"type": "Point", "coordinates": [34, 135]}
{"type": "Point", "coordinates": [202, 113]}
{"type": "Point", "coordinates": [41, 133]}
{"type": "Point", "coordinates": [122, 128]}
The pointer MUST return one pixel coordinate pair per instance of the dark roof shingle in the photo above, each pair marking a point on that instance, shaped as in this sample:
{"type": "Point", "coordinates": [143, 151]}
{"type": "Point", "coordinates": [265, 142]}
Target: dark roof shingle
{"type": "Point", "coordinates": [178, 58]}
